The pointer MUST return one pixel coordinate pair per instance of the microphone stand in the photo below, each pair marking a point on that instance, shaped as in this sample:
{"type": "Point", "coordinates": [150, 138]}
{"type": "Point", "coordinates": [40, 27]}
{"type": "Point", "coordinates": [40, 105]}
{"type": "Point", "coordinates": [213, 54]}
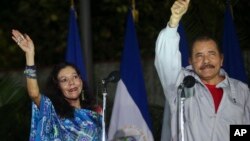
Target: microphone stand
{"type": "Point", "coordinates": [188, 82]}
{"type": "Point", "coordinates": [180, 113]}
{"type": "Point", "coordinates": [113, 77]}
{"type": "Point", "coordinates": [104, 94]}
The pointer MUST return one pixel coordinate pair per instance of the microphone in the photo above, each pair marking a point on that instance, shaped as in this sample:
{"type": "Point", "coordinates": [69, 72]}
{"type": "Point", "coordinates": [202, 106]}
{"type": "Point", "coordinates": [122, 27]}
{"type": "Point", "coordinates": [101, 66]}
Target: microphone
{"type": "Point", "coordinates": [188, 82]}
{"type": "Point", "coordinates": [113, 77]}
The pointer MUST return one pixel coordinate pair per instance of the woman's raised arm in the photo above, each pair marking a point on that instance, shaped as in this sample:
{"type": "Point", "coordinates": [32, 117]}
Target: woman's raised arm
{"type": "Point", "coordinates": [27, 45]}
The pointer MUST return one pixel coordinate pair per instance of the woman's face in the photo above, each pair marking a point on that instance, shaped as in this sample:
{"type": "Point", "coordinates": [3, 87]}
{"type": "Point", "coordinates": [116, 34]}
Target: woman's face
{"type": "Point", "coordinates": [70, 83]}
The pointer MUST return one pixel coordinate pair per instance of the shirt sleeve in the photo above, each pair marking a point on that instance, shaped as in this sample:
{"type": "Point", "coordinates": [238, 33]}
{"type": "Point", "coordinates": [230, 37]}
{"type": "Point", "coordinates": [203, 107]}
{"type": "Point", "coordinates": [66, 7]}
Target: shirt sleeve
{"type": "Point", "coordinates": [168, 59]}
{"type": "Point", "coordinates": [43, 117]}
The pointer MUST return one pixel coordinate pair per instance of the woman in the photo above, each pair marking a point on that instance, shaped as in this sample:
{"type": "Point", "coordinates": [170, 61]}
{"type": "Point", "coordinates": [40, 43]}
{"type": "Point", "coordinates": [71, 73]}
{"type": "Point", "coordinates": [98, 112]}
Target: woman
{"type": "Point", "coordinates": [62, 112]}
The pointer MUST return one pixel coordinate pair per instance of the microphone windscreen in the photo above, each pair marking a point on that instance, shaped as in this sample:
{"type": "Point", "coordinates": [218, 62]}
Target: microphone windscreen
{"type": "Point", "coordinates": [189, 81]}
{"type": "Point", "coordinates": [114, 76]}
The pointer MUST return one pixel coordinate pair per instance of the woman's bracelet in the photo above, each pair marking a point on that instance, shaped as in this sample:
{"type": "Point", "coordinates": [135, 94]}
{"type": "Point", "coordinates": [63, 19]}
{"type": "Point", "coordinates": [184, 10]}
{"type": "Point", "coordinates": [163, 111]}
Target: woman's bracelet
{"type": "Point", "coordinates": [30, 72]}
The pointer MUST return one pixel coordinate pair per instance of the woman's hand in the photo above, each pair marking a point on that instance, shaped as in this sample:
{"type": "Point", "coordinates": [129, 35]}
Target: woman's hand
{"type": "Point", "coordinates": [23, 41]}
{"type": "Point", "coordinates": [26, 44]}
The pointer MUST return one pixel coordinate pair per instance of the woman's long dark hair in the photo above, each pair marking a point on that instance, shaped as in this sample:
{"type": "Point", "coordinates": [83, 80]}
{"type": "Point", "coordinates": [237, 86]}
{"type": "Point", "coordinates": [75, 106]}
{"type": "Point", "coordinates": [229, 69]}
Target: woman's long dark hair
{"type": "Point", "coordinates": [54, 93]}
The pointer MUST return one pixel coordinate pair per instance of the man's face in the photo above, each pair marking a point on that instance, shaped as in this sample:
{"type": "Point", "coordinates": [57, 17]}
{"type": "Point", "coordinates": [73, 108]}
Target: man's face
{"type": "Point", "coordinates": [206, 60]}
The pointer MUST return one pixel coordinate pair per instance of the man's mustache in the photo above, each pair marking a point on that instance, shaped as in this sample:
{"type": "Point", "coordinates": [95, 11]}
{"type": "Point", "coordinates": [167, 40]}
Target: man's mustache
{"type": "Point", "coordinates": [206, 66]}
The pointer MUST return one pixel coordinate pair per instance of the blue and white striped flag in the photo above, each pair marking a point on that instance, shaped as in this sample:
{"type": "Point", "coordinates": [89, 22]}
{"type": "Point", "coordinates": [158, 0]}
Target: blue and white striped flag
{"type": "Point", "coordinates": [130, 118]}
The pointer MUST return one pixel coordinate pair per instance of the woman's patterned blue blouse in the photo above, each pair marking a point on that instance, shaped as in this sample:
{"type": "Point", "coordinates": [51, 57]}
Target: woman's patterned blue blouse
{"type": "Point", "coordinates": [46, 125]}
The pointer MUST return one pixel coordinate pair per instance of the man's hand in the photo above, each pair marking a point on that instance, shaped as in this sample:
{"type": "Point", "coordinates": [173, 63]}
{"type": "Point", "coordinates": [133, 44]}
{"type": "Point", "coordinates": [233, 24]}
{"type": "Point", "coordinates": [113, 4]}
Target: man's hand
{"type": "Point", "coordinates": [178, 9]}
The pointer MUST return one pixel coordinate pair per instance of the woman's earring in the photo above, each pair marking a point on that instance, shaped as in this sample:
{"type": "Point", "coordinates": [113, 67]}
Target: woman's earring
{"type": "Point", "coordinates": [82, 95]}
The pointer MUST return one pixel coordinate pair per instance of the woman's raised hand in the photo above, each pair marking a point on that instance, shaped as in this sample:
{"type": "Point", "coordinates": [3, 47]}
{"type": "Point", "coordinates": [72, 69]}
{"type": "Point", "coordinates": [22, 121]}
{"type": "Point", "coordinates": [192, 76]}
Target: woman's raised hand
{"type": "Point", "coordinates": [23, 41]}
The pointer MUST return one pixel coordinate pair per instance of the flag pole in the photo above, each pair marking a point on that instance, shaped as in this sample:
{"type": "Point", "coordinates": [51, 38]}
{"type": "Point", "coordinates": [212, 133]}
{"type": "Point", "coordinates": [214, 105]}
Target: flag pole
{"type": "Point", "coordinates": [135, 12]}
{"type": "Point", "coordinates": [229, 5]}
{"type": "Point", "coordinates": [72, 3]}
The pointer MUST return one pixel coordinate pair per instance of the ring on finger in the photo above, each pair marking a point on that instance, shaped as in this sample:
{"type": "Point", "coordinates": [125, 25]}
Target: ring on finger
{"type": "Point", "coordinates": [18, 39]}
{"type": "Point", "coordinates": [22, 37]}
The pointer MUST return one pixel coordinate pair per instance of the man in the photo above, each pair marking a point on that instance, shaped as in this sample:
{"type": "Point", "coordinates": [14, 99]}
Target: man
{"type": "Point", "coordinates": [217, 102]}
